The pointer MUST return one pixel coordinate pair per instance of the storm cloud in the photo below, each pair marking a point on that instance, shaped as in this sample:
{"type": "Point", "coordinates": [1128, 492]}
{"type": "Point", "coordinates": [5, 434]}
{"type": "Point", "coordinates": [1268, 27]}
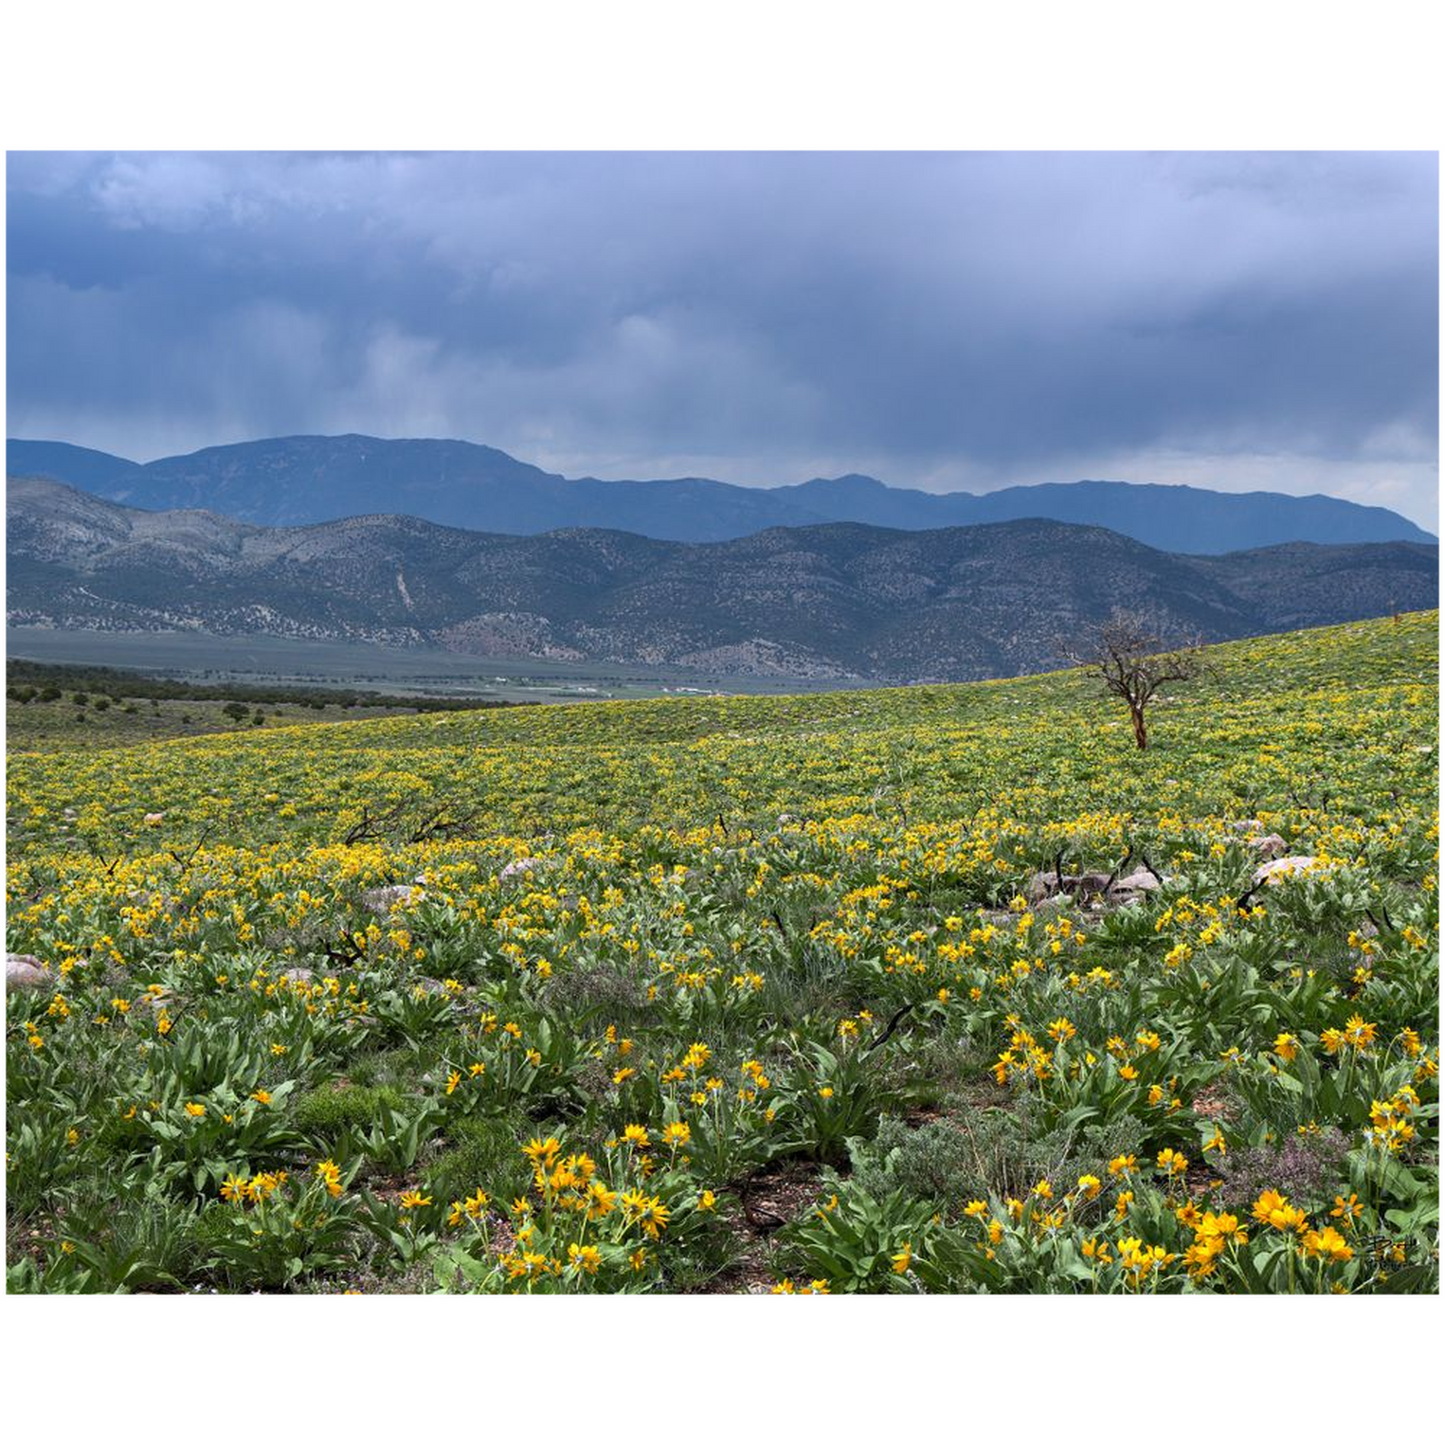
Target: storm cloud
{"type": "Point", "coordinates": [942, 320]}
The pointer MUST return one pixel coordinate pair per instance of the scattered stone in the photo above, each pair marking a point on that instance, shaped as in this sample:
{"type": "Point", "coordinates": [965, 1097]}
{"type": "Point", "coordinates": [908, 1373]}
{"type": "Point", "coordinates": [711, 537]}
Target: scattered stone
{"type": "Point", "coordinates": [382, 900]}
{"type": "Point", "coordinates": [431, 985]}
{"type": "Point", "coordinates": [298, 975]}
{"type": "Point", "coordinates": [1284, 867]}
{"type": "Point", "coordinates": [154, 819]}
{"type": "Point", "coordinates": [1270, 846]}
{"type": "Point", "coordinates": [1247, 825]}
{"type": "Point", "coordinates": [518, 868]}
{"type": "Point", "coordinates": [1140, 881]}
{"type": "Point", "coordinates": [24, 970]}
{"type": "Point", "coordinates": [1080, 885]}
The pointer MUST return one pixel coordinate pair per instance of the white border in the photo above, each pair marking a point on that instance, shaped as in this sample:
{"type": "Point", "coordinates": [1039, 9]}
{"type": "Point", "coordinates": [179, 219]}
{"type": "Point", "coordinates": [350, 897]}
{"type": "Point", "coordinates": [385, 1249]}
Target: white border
{"type": "Point", "coordinates": [745, 75]}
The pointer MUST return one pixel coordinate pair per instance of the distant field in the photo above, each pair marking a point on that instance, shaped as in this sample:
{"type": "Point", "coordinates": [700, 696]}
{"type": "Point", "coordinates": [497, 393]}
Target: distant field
{"type": "Point", "coordinates": [383, 669]}
{"type": "Point", "coordinates": [62, 726]}
{"type": "Point", "coordinates": [70, 707]}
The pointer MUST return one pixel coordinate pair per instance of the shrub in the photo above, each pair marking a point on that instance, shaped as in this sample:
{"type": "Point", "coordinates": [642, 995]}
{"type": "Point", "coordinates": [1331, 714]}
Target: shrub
{"type": "Point", "coordinates": [982, 1153]}
{"type": "Point", "coordinates": [329, 1112]}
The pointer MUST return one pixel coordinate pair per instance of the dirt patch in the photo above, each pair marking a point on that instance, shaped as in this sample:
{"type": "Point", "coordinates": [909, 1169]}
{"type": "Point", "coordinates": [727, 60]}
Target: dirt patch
{"type": "Point", "coordinates": [771, 1198]}
{"type": "Point", "coordinates": [1212, 1102]}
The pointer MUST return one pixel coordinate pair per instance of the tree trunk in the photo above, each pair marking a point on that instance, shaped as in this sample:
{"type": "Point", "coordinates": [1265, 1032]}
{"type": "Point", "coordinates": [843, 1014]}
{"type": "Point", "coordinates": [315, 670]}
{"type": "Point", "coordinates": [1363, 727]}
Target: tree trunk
{"type": "Point", "coordinates": [1136, 716]}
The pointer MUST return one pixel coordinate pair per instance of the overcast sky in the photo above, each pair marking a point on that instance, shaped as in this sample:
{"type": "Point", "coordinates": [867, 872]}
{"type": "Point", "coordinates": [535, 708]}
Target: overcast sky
{"type": "Point", "coordinates": [946, 321]}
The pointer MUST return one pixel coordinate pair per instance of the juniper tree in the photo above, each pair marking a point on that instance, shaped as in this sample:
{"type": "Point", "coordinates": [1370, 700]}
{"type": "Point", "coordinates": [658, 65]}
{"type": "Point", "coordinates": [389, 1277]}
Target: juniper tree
{"type": "Point", "coordinates": [1127, 655]}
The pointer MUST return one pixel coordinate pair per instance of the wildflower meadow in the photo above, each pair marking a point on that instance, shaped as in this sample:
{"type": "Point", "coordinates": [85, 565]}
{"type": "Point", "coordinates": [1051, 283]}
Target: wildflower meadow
{"type": "Point", "coordinates": [930, 989]}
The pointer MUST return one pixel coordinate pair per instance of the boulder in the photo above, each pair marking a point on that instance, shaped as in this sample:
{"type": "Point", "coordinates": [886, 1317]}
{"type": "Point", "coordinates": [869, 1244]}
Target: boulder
{"type": "Point", "coordinates": [24, 970]}
{"type": "Point", "coordinates": [1269, 846]}
{"type": "Point", "coordinates": [1247, 825]}
{"type": "Point", "coordinates": [382, 900]}
{"type": "Point", "coordinates": [518, 869]}
{"type": "Point", "coordinates": [1042, 886]}
{"type": "Point", "coordinates": [1282, 868]}
{"type": "Point", "coordinates": [1079, 885]}
{"type": "Point", "coordinates": [1139, 881]}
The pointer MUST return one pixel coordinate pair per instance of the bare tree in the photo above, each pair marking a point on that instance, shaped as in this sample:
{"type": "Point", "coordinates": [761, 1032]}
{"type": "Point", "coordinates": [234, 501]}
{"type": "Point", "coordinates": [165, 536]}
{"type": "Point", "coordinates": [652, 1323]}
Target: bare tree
{"type": "Point", "coordinates": [1126, 654]}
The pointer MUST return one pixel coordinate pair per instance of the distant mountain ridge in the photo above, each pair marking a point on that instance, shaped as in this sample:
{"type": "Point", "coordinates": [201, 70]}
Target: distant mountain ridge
{"type": "Point", "coordinates": [838, 600]}
{"type": "Point", "coordinates": [299, 481]}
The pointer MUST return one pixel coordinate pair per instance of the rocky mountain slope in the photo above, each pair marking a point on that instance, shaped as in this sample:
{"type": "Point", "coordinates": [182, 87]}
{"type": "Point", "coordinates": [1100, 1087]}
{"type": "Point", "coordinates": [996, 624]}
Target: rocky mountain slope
{"type": "Point", "coordinates": [833, 601]}
{"type": "Point", "coordinates": [296, 481]}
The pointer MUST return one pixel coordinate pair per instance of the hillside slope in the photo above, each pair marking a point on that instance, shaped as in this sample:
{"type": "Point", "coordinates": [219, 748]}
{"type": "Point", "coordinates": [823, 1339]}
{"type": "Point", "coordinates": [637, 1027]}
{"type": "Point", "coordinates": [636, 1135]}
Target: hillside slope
{"type": "Point", "coordinates": [840, 600]}
{"type": "Point", "coordinates": [791, 981]}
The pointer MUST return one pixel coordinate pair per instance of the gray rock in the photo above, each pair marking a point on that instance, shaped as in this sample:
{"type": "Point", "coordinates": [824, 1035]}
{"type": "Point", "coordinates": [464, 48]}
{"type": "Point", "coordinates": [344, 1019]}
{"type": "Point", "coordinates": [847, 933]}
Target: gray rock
{"type": "Point", "coordinates": [24, 970]}
{"type": "Point", "coordinates": [1080, 885]}
{"type": "Point", "coordinates": [298, 975]}
{"type": "Point", "coordinates": [518, 869]}
{"type": "Point", "coordinates": [381, 901]}
{"type": "Point", "coordinates": [1140, 881]}
{"type": "Point", "coordinates": [1247, 825]}
{"type": "Point", "coordinates": [1269, 846]}
{"type": "Point", "coordinates": [1283, 868]}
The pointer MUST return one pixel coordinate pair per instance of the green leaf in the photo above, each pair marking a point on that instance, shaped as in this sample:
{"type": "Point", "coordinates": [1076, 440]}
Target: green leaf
{"type": "Point", "coordinates": [1407, 1280]}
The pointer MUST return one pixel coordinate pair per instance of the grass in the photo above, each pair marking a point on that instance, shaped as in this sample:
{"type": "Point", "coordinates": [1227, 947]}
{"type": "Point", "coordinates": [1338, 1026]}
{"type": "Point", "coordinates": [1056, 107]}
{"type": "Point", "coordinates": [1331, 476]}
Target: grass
{"type": "Point", "coordinates": [639, 961]}
{"type": "Point", "coordinates": [62, 726]}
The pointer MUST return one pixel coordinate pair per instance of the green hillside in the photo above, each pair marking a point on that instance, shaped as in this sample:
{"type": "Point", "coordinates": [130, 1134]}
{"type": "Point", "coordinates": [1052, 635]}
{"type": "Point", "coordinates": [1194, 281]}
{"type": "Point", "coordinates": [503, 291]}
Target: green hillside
{"type": "Point", "coordinates": [746, 993]}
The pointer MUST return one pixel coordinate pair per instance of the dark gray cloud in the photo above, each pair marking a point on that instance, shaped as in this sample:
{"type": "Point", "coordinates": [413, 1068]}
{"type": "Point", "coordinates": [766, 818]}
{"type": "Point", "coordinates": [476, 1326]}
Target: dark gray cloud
{"type": "Point", "coordinates": [942, 320]}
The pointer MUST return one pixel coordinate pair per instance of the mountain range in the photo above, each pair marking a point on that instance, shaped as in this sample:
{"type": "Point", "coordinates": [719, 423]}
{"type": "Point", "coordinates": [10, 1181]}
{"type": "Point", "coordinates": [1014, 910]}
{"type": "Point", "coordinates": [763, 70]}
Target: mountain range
{"type": "Point", "coordinates": [298, 481]}
{"type": "Point", "coordinates": [837, 600]}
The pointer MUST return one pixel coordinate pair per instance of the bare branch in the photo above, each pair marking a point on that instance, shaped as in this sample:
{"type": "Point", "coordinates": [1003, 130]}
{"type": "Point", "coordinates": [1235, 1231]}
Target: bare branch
{"type": "Point", "coordinates": [1128, 656]}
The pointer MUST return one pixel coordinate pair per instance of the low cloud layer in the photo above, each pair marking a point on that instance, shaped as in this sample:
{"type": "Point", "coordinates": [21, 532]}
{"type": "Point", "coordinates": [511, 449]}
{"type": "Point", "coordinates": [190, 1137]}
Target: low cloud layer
{"type": "Point", "coordinates": [939, 320]}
